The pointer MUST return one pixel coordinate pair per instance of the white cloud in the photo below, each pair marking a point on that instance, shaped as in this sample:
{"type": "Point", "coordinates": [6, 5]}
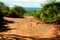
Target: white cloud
{"type": "Point", "coordinates": [25, 3]}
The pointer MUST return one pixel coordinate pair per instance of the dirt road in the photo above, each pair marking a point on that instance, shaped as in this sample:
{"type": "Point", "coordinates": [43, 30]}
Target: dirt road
{"type": "Point", "coordinates": [29, 26]}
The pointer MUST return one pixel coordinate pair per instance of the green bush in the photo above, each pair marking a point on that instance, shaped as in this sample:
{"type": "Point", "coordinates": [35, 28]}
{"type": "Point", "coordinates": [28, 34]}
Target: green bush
{"type": "Point", "coordinates": [12, 13]}
{"type": "Point", "coordinates": [4, 10]}
{"type": "Point", "coordinates": [31, 13]}
{"type": "Point", "coordinates": [17, 11]}
{"type": "Point", "coordinates": [49, 13]}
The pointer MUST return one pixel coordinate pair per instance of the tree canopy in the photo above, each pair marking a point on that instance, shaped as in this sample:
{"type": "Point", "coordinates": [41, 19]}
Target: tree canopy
{"type": "Point", "coordinates": [49, 12]}
{"type": "Point", "coordinates": [3, 9]}
{"type": "Point", "coordinates": [17, 11]}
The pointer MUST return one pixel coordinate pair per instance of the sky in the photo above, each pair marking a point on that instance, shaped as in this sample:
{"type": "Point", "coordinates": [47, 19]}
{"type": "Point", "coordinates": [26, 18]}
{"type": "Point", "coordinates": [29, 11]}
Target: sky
{"type": "Point", "coordinates": [24, 3]}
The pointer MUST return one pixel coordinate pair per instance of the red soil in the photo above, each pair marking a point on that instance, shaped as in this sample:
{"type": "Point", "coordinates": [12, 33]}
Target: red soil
{"type": "Point", "coordinates": [29, 26]}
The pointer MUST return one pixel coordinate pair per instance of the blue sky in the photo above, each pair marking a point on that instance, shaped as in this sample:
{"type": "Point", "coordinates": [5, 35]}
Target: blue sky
{"type": "Point", "coordinates": [24, 3]}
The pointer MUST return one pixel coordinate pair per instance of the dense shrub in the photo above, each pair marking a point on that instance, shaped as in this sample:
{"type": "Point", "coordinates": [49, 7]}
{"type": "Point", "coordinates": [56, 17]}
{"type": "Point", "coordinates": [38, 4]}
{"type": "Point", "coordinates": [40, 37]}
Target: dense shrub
{"type": "Point", "coordinates": [49, 12]}
{"type": "Point", "coordinates": [13, 13]}
{"type": "Point", "coordinates": [4, 10]}
{"type": "Point", "coordinates": [17, 11]}
{"type": "Point", "coordinates": [30, 13]}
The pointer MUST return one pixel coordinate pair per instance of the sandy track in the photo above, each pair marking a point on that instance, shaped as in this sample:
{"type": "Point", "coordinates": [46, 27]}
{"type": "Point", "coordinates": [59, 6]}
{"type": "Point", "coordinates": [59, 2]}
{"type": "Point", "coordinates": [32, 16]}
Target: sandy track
{"type": "Point", "coordinates": [29, 26]}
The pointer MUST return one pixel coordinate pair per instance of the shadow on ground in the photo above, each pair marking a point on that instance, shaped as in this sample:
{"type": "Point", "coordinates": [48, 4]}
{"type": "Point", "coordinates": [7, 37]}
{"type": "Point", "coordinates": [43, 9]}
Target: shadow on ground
{"type": "Point", "coordinates": [2, 23]}
{"type": "Point", "coordinates": [17, 37]}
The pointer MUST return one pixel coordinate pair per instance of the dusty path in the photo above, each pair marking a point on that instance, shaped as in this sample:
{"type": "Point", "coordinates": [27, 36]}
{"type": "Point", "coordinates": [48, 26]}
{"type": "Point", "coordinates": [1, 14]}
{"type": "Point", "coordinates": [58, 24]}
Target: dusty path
{"type": "Point", "coordinates": [29, 26]}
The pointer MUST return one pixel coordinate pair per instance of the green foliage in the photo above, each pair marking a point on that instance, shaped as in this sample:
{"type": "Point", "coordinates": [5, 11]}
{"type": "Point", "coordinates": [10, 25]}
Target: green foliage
{"type": "Point", "coordinates": [17, 11]}
{"type": "Point", "coordinates": [4, 10]}
{"type": "Point", "coordinates": [49, 12]}
{"type": "Point", "coordinates": [13, 13]}
{"type": "Point", "coordinates": [30, 14]}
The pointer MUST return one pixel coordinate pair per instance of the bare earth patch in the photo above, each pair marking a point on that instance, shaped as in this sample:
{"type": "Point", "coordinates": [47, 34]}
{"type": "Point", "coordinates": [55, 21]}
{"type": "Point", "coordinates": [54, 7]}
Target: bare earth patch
{"type": "Point", "coordinates": [29, 26]}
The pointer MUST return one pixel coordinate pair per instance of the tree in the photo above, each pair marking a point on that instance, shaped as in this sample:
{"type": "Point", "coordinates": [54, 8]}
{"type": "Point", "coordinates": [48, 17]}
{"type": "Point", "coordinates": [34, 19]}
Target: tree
{"type": "Point", "coordinates": [2, 8]}
{"type": "Point", "coordinates": [49, 12]}
{"type": "Point", "coordinates": [50, 1]}
{"type": "Point", "coordinates": [5, 11]}
{"type": "Point", "coordinates": [17, 11]}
